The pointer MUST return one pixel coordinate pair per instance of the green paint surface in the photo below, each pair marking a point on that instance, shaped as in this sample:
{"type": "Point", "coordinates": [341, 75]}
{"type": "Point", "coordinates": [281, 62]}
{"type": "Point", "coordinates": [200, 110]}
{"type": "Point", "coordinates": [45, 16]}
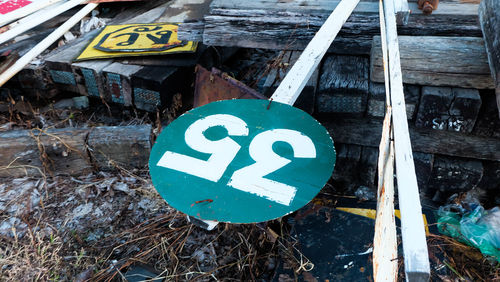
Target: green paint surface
{"type": "Point", "coordinates": [227, 204]}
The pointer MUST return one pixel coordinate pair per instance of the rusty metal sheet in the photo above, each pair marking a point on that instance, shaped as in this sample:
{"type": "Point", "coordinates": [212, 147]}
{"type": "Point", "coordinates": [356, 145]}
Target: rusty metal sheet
{"type": "Point", "coordinates": [211, 86]}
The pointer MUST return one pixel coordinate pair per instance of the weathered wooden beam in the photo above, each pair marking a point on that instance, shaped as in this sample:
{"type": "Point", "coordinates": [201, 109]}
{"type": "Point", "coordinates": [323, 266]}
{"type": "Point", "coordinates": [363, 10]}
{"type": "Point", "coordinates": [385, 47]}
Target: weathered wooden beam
{"type": "Point", "coordinates": [452, 109]}
{"type": "Point", "coordinates": [291, 24]}
{"type": "Point", "coordinates": [453, 175]}
{"type": "Point", "coordinates": [488, 123]}
{"type": "Point", "coordinates": [423, 167]}
{"type": "Point", "coordinates": [154, 87]}
{"type": "Point", "coordinates": [125, 146]}
{"type": "Point", "coordinates": [89, 78]}
{"type": "Point", "coordinates": [343, 85]}
{"type": "Point", "coordinates": [438, 61]}
{"type": "Point", "coordinates": [377, 98]}
{"type": "Point", "coordinates": [489, 17]}
{"type": "Point", "coordinates": [366, 132]}
{"type": "Point", "coordinates": [73, 151]}
{"type": "Point", "coordinates": [344, 175]}
{"type": "Point", "coordinates": [119, 82]}
{"type": "Point", "coordinates": [59, 62]}
{"type": "Point", "coordinates": [35, 152]}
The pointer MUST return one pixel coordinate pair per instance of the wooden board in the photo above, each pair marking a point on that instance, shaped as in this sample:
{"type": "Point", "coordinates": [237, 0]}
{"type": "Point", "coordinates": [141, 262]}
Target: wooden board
{"type": "Point", "coordinates": [89, 79]}
{"type": "Point", "coordinates": [453, 175]}
{"type": "Point", "coordinates": [126, 146]}
{"type": "Point", "coordinates": [154, 87]}
{"type": "Point", "coordinates": [343, 85]}
{"type": "Point", "coordinates": [438, 61]}
{"type": "Point", "coordinates": [489, 17]}
{"type": "Point", "coordinates": [366, 132]}
{"type": "Point", "coordinates": [58, 151]}
{"type": "Point", "coordinates": [119, 82]}
{"type": "Point", "coordinates": [452, 109]}
{"type": "Point", "coordinates": [73, 151]}
{"type": "Point", "coordinates": [377, 98]}
{"type": "Point", "coordinates": [291, 24]}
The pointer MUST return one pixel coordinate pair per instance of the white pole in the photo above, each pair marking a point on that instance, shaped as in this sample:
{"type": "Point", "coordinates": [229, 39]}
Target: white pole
{"type": "Point", "coordinates": [44, 44]}
{"type": "Point", "coordinates": [293, 83]}
{"type": "Point", "coordinates": [25, 26]}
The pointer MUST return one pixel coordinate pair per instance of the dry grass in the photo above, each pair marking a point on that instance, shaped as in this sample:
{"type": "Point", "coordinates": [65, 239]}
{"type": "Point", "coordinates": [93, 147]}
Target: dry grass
{"type": "Point", "coordinates": [54, 246]}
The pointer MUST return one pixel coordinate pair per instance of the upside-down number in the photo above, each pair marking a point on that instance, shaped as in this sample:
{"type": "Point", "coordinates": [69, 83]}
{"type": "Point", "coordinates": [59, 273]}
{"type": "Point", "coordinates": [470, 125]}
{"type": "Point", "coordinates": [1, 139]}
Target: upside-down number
{"type": "Point", "coordinates": [250, 178]}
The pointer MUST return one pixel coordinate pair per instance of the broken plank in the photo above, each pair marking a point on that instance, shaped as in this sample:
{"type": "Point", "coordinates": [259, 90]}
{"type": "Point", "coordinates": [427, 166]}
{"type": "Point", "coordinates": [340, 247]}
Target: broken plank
{"type": "Point", "coordinates": [438, 61]}
{"type": "Point", "coordinates": [416, 257]}
{"type": "Point", "coordinates": [489, 17]}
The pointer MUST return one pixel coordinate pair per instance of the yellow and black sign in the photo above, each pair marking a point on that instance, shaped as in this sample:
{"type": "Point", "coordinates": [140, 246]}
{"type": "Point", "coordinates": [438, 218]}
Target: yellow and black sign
{"type": "Point", "coordinates": [136, 40]}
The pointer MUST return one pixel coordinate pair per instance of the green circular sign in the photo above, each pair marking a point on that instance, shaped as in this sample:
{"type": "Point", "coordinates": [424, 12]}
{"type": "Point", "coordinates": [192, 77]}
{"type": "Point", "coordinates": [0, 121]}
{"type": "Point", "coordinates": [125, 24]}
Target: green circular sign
{"type": "Point", "coordinates": [241, 161]}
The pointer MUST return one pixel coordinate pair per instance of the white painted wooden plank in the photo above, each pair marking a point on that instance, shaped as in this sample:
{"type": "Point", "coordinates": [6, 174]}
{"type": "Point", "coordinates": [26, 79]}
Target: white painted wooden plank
{"type": "Point", "coordinates": [44, 44]}
{"type": "Point", "coordinates": [416, 256]}
{"type": "Point", "coordinates": [8, 35]}
{"type": "Point", "coordinates": [26, 10]}
{"type": "Point", "coordinates": [32, 17]}
{"type": "Point", "coordinates": [291, 86]}
{"type": "Point", "coordinates": [385, 252]}
{"type": "Point", "coordinates": [385, 246]}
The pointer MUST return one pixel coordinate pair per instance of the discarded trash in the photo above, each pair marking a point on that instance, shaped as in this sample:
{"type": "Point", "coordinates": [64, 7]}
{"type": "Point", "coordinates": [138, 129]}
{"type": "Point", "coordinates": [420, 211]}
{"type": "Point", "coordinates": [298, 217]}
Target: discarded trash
{"type": "Point", "coordinates": [477, 228]}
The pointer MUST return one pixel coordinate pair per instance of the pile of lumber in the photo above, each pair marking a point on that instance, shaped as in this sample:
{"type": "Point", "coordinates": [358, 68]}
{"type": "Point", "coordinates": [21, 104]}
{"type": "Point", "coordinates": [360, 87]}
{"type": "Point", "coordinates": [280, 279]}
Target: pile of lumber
{"type": "Point", "coordinates": [148, 83]}
{"type": "Point", "coordinates": [291, 24]}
